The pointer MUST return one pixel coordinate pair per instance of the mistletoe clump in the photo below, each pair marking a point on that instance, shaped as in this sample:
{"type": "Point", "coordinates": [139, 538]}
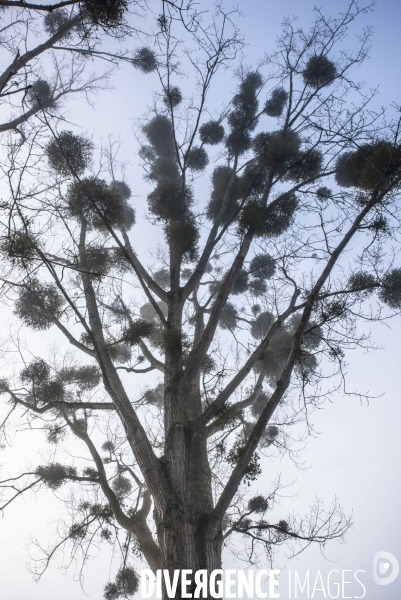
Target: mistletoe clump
{"type": "Point", "coordinates": [372, 165]}
{"type": "Point", "coordinates": [253, 469]}
{"type": "Point", "coordinates": [145, 60]}
{"type": "Point", "coordinates": [197, 159]}
{"type": "Point", "coordinates": [86, 377]}
{"type": "Point", "coordinates": [228, 317]}
{"type": "Point", "coordinates": [38, 305]}
{"type": "Point", "coordinates": [261, 324]}
{"type": "Point", "coordinates": [308, 165]}
{"type": "Point", "coordinates": [383, 167]}
{"type": "Point", "coordinates": [164, 169]}
{"type": "Point", "coordinates": [121, 485]}
{"type": "Point", "coordinates": [324, 193]}
{"type": "Point", "coordinates": [333, 310]}
{"type": "Point", "coordinates": [108, 446]}
{"type": "Point", "coordinates": [362, 283]}
{"type": "Point", "coordinates": [122, 189]}
{"type": "Point", "coordinates": [227, 415]}
{"type": "Point", "coordinates": [56, 20]}
{"type": "Point", "coordinates": [390, 292]}
{"type": "Point", "coordinates": [20, 247]}
{"type": "Point", "coordinates": [211, 133]}
{"type": "Point", "coordinates": [313, 334]}
{"type": "Point", "coordinates": [126, 584]}
{"type": "Point", "coordinates": [306, 364]}
{"type": "Point", "coordinates": [94, 201]}
{"type": "Point", "coordinates": [257, 287]}
{"type": "Point", "coordinates": [172, 340]}
{"type": "Point", "coordinates": [242, 119]}
{"type": "Point", "coordinates": [279, 214]}
{"type": "Point", "coordinates": [183, 235]}
{"type": "Point", "coordinates": [258, 504]}
{"type": "Point", "coordinates": [106, 534]}
{"type": "Point", "coordinates": [141, 328]}
{"type": "Point", "coordinates": [319, 72]}
{"type": "Point", "coordinates": [283, 525]}
{"type": "Point", "coordinates": [275, 357]}
{"type": "Point", "coordinates": [275, 104]}
{"type": "Point", "coordinates": [240, 284]}
{"type": "Point", "coordinates": [379, 225]}
{"type": "Point", "coordinates": [155, 396]}
{"type": "Point", "coordinates": [262, 266]}
{"type": "Point", "coordinates": [37, 372]}
{"type": "Point", "coordinates": [106, 13]}
{"type": "Point", "coordinates": [98, 260]}
{"type": "Point", "coordinates": [149, 313]}
{"type": "Point", "coordinates": [277, 151]}
{"type": "Point", "coordinates": [77, 531]}
{"type": "Point", "coordinates": [172, 97]}
{"type": "Point", "coordinates": [162, 278]}
{"type": "Point", "coordinates": [100, 511]}
{"type": "Point", "coordinates": [271, 220]}
{"type": "Point", "coordinates": [55, 434]}
{"type": "Point", "coordinates": [90, 472]}
{"type": "Point", "coordinates": [169, 201]}
{"type": "Point", "coordinates": [208, 365]}
{"type": "Point", "coordinates": [215, 286]}
{"type": "Point", "coordinates": [69, 154]}
{"type": "Point", "coordinates": [49, 391]}
{"type": "Point", "coordinates": [120, 353]}
{"type": "Point", "coordinates": [254, 179]}
{"type": "Point", "coordinates": [269, 436]}
{"type": "Point", "coordinates": [40, 95]}
{"type": "Point", "coordinates": [243, 525]}
{"type": "Point", "coordinates": [124, 213]}
{"type": "Point", "coordinates": [159, 132]}
{"type": "Point", "coordinates": [44, 389]}
{"type": "Point", "coordinates": [343, 178]}
{"type": "Point", "coordinates": [272, 431]}
{"type": "Point", "coordinates": [220, 180]}
{"type": "Point", "coordinates": [55, 475]}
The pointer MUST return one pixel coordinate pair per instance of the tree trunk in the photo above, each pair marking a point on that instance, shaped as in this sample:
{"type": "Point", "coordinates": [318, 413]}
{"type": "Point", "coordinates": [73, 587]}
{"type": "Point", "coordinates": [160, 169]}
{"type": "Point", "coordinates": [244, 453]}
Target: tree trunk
{"type": "Point", "coordinates": [185, 537]}
{"type": "Point", "coordinates": [187, 545]}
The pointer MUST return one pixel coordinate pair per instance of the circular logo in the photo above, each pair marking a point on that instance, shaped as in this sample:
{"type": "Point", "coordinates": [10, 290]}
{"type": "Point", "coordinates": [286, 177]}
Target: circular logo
{"type": "Point", "coordinates": [385, 568]}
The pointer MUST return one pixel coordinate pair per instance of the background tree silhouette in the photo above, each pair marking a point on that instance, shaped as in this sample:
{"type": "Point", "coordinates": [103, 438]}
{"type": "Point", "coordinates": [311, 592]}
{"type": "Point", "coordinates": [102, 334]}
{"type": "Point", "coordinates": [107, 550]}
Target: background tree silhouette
{"type": "Point", "coordinates": [254, 299]}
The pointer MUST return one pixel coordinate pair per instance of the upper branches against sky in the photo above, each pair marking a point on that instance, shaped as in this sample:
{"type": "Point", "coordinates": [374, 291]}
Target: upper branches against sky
{"type": "Point", "coordinates": [47, 48]}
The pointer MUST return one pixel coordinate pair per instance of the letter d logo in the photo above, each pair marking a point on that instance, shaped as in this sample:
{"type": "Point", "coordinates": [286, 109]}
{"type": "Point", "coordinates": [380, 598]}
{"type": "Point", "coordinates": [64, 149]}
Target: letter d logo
{"type": "Point", "coordinates": [383, 563]}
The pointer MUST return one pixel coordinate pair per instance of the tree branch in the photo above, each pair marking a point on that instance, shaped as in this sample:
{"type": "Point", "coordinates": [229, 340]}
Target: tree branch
{"type": "Point", "coordinates": [41, 7]}
{"type": "Point", "coordinates": [283, 383]}
{"type": "Point", "coordinates": [21, 61]}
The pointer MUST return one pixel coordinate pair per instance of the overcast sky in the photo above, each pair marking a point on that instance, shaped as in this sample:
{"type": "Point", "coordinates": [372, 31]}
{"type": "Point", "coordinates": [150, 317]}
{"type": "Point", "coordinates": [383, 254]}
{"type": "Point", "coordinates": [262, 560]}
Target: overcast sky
{"type": "Point", "coordinates": [357, 453]}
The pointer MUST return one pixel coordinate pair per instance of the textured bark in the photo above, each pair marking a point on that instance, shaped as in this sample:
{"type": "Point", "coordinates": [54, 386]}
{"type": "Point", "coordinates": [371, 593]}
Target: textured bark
{"type": "Point", "coordinates": [184, 537]}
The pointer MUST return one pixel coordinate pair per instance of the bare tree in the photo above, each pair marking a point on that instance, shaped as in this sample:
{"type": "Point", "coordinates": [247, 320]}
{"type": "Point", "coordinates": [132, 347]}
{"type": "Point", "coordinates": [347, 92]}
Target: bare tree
{"type": "Point", "coordinates": [239, 319]}
{"type": "Point", "coordinates": [47, 48]}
